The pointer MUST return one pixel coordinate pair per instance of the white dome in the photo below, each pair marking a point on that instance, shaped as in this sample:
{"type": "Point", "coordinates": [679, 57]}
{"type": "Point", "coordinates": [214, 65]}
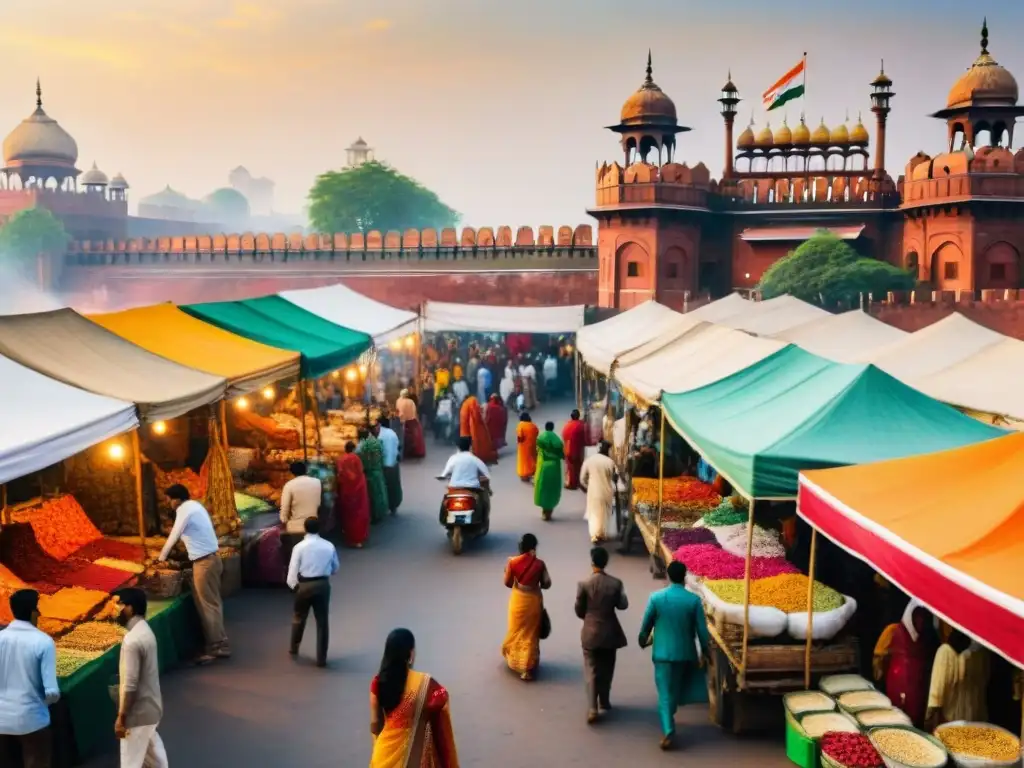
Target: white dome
{"type": "Point", "coordinates": [39, 139]}
{"type": "Point", "coordinates": [94, 177]}
{"type": "Point", "coordinates": [118, 182]}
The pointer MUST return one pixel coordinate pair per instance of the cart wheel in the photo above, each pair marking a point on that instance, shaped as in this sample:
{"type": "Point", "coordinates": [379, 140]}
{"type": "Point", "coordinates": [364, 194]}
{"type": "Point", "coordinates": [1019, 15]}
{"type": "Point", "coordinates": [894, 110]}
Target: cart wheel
{"type": "Point", "coordinates": [738, 707]}
{"type": "Point", "coordinates": [718, 691]}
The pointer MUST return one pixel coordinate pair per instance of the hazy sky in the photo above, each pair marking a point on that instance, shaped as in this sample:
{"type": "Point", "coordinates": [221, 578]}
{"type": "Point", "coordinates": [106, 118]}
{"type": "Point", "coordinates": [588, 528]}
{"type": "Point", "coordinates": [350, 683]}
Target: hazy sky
{"type": "Point", "coordinates": [498, 106]}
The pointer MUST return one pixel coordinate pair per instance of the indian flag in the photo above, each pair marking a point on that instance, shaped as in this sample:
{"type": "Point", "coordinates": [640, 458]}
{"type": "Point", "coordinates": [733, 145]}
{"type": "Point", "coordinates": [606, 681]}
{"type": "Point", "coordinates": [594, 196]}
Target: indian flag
{"type": "Point", "coordinates": [790, 86]}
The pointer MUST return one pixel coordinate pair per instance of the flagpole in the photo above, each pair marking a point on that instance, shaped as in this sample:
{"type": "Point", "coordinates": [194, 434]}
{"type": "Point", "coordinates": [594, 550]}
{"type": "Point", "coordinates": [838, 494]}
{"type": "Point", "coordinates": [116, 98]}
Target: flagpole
{"type": "Point", "coordinates": [807, 159]}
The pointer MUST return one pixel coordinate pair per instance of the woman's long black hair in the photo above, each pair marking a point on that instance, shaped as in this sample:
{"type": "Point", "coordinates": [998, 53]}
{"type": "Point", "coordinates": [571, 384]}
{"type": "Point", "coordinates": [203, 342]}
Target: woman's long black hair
{"type": "Point", "coordinates": [394, 668]}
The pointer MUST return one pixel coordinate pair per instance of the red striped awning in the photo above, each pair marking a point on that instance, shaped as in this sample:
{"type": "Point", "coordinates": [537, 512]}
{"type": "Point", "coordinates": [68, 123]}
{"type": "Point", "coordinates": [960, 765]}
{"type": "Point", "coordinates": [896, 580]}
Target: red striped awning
{"type": "Point", "coordinates": [792, 234]}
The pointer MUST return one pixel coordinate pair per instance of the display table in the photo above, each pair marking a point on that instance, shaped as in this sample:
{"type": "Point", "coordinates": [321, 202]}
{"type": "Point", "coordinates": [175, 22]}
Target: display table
{"type": "Point", "coordinates": [86, 707]}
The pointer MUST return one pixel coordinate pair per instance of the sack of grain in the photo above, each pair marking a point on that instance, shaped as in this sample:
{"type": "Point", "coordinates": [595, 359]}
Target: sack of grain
{"type": "Point", "coordinates": [826, 625]}
{"type": "Point", "coordinates": [837, 684]}
{"type": "Point", "coordinates": [764, 621]}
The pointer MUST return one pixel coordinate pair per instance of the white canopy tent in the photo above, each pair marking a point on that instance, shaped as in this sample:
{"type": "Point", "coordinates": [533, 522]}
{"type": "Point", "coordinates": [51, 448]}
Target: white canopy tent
{"type": "Point", "coordinates": [844, 338]}
{"type": "Point", "coordinates": [350, 309]}
{"type": "Point", "coordinates": [602, 343]}
{"type": "Point", "coordinates": [485, 318]}
{"type": "Point", "coordinates": [766, 318]}
{"type": "Point", "coordinates": [681, 361]}
{"type": "Point", "coordinates": [962, 363]}
{"type": "Point", "coordinates": [720, 309]}
{"type": "Point", "coordinates": [46, 421]}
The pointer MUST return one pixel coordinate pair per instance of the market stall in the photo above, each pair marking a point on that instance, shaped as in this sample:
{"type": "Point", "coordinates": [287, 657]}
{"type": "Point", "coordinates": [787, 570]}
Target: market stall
{"type": "Point", "coordinates": [487, 318]}
{"type": "Point", "coordinates": [772, 316]}
{"type": "Point", "coordinates": [343, 306]}
{"type": "Point", "coordinates": [962, 363]}
{"type": "Point", "coordinates": [847, 337]}
{"type": "Point", "coordinates": [720, 309]}
{"type": "Point", "coordinates": [601, 344]}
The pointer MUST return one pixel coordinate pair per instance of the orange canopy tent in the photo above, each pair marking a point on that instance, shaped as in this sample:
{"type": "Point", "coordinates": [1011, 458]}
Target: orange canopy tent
{"type": "Point", "coordinates": [947, 528]}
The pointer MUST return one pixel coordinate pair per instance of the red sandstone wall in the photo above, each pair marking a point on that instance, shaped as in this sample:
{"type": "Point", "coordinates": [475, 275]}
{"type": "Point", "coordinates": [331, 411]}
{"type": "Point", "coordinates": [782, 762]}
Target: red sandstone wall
{"type": "Point", "coordinates": [1004, 316]}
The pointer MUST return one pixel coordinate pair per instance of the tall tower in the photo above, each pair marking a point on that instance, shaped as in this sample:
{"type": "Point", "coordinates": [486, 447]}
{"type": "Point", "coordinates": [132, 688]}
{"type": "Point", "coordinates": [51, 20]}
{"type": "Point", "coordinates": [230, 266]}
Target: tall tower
{"type": "Point", "coordinates": [729, 100]}
{"type": "Point", "coordinates": [881, 93]}
{"type": "Point", "coordinates": [650, 210]}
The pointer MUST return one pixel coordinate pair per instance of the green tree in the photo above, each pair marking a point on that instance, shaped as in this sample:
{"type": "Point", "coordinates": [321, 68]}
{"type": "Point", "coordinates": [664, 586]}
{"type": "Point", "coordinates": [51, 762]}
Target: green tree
{"type": "Point", "coordinates": [29, 233]}
{"type": "Point", "coordinates": [374, 196]}
{"type": "Point", "coordinates": [827, 268]}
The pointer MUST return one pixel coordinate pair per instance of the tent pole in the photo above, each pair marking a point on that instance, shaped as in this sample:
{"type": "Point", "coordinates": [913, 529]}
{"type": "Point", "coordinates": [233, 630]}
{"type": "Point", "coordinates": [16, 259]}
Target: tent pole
{"type": "Point", "coordinates": [224, 422]}
{"type": "Point", "coordinates": [746, 595]}
{"type": "Point", "coordinates": [810, 607]}
{"type": "Point", "coordinates": [315, 402]}
{"type": "Point", "coordinates": [140, 507]}
{"type": "Point", "coordinates": [301, 392]}
{"type": "Point", "coordinates": [661, 485]}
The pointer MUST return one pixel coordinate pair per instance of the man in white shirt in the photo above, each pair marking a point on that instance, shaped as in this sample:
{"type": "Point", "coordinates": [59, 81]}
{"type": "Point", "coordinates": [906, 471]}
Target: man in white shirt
{"type": "Point", "coordinates": [300, 499]}
{"type": "Point", "coordinates": [466, 471]}
{"type": "Point", "coordinates": [391, 449]}
{"type": "Point", "coordinates": [193, 526]}
{"type": "Point", "coordinates": [551, 375]}
{"type": "Point", "coordinates": [313, 562]}
{"type": "Point", "coordinates": [528, 375]}
{"type": "Point", "coordinates": [28, 671]}
{"type": "Point", "coordinates": [140, 704]}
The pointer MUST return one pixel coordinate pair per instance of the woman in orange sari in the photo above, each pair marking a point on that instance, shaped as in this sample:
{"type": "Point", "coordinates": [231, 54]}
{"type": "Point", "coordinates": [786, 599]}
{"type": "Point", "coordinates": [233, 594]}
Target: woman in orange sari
{"type": "Point", "coordinates": [471, 425]}
{"type": "Point", "coordinates": [409, 715]}
{"type": "Point", "coordinates": [352, 501]}
{"type": "Point", "coordinates": [526, 453]}
{"type": "Point", "coordinates": [526, 576]}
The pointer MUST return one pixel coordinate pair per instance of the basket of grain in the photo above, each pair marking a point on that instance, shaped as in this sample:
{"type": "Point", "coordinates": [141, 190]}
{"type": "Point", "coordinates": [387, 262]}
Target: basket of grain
{"type": "Point", "coordinates": [802, 702]}
{"type": "Point", "coordinates": [874, 718]}
{"type": "Point", "coordinates": [836, 685]}
{"type": "Point", "coordinates": [817, 724]}
{"type": "Point", "coordinates": [161, 584]}
{"type": "Point", "coordinates": [906, 747]}
{"type": "Point", "coordinates": [858, 701]}
{"type": "Point", "coordinates": [979, 745]}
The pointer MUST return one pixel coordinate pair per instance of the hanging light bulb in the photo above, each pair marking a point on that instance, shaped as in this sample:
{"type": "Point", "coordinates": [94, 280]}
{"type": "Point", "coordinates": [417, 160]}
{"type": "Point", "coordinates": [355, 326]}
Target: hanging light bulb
{"type": "Point", "coordinates": [116, 451]}
{"type": "Point", "coordinates": [242, 403]}
{"type": "Point", "coordinates": [410, 342]}
{"type": "Point", "coordinates": [351, 374]}
{"type": "Point", "coordinates": [268, 393]}
{"type": "Point", "coordinates": [335, 374]}
{"type": "Point", "coordinates": [396, 345]}
{"type": "Point", "coordinates": [363, 369]}
{"type": "Point", "coordinates": [160, 428]}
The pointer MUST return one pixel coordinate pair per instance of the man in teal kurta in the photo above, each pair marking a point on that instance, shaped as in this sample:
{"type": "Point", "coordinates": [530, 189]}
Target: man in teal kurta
{"type": "Point", "coordinates": [547, 481]}
{"type": "Point", "coordinates": [675, 616]}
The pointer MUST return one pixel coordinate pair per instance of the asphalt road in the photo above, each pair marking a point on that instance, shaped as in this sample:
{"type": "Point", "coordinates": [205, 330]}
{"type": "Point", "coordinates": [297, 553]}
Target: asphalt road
{"type": "Point", "coordinates": [264, 708]}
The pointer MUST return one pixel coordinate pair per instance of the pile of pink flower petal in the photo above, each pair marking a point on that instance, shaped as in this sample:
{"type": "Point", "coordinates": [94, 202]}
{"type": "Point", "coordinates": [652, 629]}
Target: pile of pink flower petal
{"type": "Point", "coordinates": [709, 561]}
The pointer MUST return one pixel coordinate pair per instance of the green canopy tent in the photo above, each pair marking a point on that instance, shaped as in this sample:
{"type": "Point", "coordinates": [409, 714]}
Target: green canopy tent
{"type": "Point", "coordinates": [796, 411]}
{"type": "Point", "coordinates": [277, 322]}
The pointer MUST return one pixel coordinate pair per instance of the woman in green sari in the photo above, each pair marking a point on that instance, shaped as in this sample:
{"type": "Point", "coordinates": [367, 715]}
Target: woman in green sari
{"type": "Point", "coordinates": [547, 482]}
{"type": "Point", "coordinates": [371, 453]}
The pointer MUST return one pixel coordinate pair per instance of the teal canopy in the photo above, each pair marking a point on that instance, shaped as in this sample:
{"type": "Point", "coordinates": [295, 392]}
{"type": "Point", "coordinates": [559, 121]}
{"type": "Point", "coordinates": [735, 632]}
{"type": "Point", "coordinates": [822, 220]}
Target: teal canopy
{"type": "Point", "coordinates": [274, 321]}
{"type": "Point", "coordinates": [795, 411]}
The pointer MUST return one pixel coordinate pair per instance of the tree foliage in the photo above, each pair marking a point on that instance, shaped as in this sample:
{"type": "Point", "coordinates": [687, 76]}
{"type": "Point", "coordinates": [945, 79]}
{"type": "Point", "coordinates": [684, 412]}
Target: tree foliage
{"type": "Point", "coordinates": [826, 269]}
{"type": "Point", "coordinates": [31, 232]}
{"type": "Point", "coordinates": [374, 196]}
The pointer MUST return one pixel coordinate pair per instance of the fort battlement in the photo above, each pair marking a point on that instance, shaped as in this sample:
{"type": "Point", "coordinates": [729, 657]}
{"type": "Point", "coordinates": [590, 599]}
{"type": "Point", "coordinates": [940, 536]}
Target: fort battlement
{"type": "Point", "coordinates": [428, 245]}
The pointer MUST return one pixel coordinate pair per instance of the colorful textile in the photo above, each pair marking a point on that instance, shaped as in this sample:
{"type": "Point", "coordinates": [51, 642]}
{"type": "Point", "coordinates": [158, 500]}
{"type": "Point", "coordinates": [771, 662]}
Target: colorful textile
{"type": "Point", "coordinates": [418, 732]}
{"type": "Point", "coordinates": [547, 482]}
{"type": "Point", "coordinates": [471, 424]}
{"type": "Point", "coordinates": [352, 501]}
{"type": "Point", "coordinates": [497, 421]}
{"type": "Point", "coordinates": [414, 446]}
{"type": "Point", "coordinates": [907, 676]}
{"type": "Point", "coordinates": [574, 437]}
{"type": "Point", "coordinates": [371, 453]}
{"type": "Point", "coordinates": [526, 451]}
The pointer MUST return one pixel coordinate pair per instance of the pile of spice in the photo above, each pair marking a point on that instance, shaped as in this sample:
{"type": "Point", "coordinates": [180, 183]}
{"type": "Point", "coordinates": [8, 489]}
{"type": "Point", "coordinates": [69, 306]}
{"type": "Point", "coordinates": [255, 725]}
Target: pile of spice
{"type": "Point", "coordinates": [709, 561]}
{"type": "Point", "coordinates": [93, 636]}
{"type": "Point", "coordinates": [850, 750]}
{"type": "Point", "coordinates": [980, 741]}
{"type": "Point", "coordinates": [907, 747]}
{"type": "Point", "coordinates": [60, 525]}
{"type": "Point", "coordinates": [120, 550]}
{"type": "Point", "coordinates": [71, 603]}
{"type": "Point", "coordinates": [786, 591]}
{"type": "Point", "coordinates": [70, 661]}
{"type": "Point", "coordinates": [675, 538]}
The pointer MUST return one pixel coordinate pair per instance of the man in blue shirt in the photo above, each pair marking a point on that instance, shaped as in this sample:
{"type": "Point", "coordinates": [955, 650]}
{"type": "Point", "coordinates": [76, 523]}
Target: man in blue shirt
{"type": "Point", "coordinates": [675, 617]}
{"type": "Point", "coordinates": [28, 669]}
{"type": "Point", "coordinates": [390, 447]}
{"type": "Point", "coordinates": [314, 561]}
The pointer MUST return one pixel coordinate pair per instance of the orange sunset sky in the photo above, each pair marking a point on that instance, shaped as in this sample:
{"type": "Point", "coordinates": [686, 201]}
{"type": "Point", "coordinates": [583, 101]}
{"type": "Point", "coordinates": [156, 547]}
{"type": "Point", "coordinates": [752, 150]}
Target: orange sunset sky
{"type": "Point", "coordinates": [499, 107]}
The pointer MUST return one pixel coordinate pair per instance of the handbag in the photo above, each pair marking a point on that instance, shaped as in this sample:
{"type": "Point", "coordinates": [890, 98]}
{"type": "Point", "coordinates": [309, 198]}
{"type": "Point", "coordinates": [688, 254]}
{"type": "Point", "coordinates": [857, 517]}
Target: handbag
{"type": "Point", "coordinates": [545, 624]}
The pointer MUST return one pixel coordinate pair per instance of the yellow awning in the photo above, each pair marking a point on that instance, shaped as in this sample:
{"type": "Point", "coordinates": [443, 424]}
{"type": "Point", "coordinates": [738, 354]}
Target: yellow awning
{"type": "Point", "coordinates": [165, 330]}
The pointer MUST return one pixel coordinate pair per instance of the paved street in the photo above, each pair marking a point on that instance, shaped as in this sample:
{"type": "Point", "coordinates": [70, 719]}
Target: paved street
{"type": "Point", "coordinates": [262, 708]}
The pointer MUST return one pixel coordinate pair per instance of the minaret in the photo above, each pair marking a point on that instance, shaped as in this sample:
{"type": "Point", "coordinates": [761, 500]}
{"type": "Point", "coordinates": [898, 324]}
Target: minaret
{"type": "Point", "coordinates": [881, 92]}
{"type": "Point", "coordinates": [729, 100]}
{"type": "Point", "coordinates": [39, 95]}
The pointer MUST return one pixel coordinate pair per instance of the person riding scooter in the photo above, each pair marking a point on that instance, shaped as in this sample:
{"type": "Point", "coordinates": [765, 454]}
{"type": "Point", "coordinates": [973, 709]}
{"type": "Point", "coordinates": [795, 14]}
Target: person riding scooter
{"type": "Point", "coordinates": [465, 471]}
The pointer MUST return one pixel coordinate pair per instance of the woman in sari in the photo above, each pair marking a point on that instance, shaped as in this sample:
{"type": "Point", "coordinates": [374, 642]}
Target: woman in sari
{"type": "Point", "coordinates": [905, 652]}
{"type": "Point", "coordinates": [413, 446]}
{"type": "Point", "coordinates": [352, 501]}
{"type": "Point", "coordinates": [547, 483]}
{"type": "Point", "coordinates": [526, 576]}
{"type": "Point", "coordinates": [526, 452]}
{"type": "Point", "coordinates": [371, 453]}
{"type": "Point", "coordinates": [471, 425]}
{"type": "Point", "coordinates": [497, 421]}
{"type": "Point", "coordinates": [574, 436]}
{"type": "Point", "coordinates": [410, 718]}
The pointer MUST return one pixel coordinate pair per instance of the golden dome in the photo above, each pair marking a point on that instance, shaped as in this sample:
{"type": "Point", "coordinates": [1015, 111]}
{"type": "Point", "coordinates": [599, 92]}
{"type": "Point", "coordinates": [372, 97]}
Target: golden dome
{"type": "Point", "coordinates": [39, 139]}
{"type": "Point", "coordinates": [746, 139]}
{"type": "Point", "coordinates": [821, 134]}
{"type": "Point", "coordinates": [783, 136]}
{"type": "Point", "coordinates": [859, 134]}
{"type": "Point", "coordinates": [765, 137]}
{"type": "Point", "coordinates": [649, 103]}
{"type": "Point", "coordinates": [802, 134]}
{"type": "Point", "coordinates": [985, 83]}
{"type": "Point", "coordinates": [840, 135]}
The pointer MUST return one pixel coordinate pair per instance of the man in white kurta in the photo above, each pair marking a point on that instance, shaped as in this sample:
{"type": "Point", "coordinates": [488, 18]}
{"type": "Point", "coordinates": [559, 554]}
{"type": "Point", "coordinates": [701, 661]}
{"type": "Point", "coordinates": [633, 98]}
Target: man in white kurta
{"type": "Point", "coordinates": [597, 478]}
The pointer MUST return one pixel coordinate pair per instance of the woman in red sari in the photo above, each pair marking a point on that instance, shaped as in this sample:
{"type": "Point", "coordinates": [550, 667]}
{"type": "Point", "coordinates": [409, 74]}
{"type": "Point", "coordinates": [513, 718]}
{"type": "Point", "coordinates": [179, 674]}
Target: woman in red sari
{"type": "Point", "coordinates": [352, 501]}
{"type": "Point", "coordinates": [409, 714]}
{"type": "Point", "coordinates": [908, 662]}
{"type": "Point", "coordinates": [471, 425]}
{"type": "Point", "coordinates": [412, 433]}
{"type": "Point", "coordinates": [497, 421]}
{"type": "Point", "coordinates": [574, 438]}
